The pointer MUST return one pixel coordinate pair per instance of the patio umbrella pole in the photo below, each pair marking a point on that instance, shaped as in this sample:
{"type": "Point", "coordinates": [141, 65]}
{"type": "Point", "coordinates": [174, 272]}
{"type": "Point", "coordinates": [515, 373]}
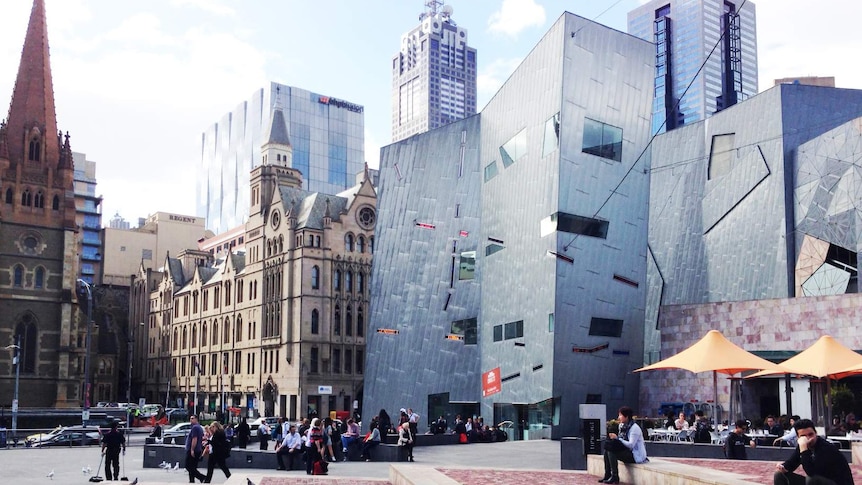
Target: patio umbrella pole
{"type": "Point", "coordinates": [715, 399]}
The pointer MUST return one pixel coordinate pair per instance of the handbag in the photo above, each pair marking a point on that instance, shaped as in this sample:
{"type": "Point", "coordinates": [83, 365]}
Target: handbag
{"type": "Point", "coordinates": [462, 438]}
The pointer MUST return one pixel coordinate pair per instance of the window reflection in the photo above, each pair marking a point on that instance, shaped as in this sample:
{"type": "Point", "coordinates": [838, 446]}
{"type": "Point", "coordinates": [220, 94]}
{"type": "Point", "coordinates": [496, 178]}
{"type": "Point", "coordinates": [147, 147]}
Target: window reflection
{"type": "Point", "coordinates": [603, 140]}
{"type": "Point", "coordinates": [514, 149]}
{"type": "Point", "coordinates": [552, 135]}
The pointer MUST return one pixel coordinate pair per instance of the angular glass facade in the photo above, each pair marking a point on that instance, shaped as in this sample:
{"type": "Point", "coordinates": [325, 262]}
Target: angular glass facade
{"type": "Point", "coordinates": [327, 135]}
{"type": "Point", "coordinates": [541, 285]}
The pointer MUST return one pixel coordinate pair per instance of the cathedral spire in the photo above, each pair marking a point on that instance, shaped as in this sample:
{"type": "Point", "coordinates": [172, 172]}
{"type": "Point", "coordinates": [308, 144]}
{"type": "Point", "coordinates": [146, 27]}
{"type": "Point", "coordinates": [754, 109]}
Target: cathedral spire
{"type": "Point", "coordinates": [31, 114]}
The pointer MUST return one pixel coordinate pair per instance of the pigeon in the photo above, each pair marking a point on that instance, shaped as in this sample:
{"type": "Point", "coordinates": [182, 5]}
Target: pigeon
{"type": "Point", "coordinates": [176, 466]}
{"type": "Point", "coordinates": [86, 470]}
{"type": "Point", "coordinates": [51, 475]}
{"type": "Point", "coordinates": [134, 482]}
{"type": "Point", "coordinates": [164, 465]}
{"type": "Point", "coordinates": [248, 481]}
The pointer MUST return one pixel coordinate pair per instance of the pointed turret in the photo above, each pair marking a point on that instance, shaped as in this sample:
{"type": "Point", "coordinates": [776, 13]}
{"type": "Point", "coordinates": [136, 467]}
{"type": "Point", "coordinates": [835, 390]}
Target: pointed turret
{"type": "Point", "coordinates": [276, 149]}
{"type": "Point", "coordinates": [32, 122]}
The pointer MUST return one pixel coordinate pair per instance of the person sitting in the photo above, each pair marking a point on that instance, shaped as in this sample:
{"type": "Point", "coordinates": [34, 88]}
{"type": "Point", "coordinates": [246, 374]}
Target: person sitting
{"type": "Point", "coordinates": [681, 423]}
{"type": "Point", "coordinates": [349, 436]}
{"type": "Point", "coordinates": [737, 440]}
{"type": "Point", "coordinates": [627, 446]}
{"type": "Point", "coordinates": [372, 440]}
{"type": "Point", "coordinates": [702, 429]}
{"type": "Point", "coordinates": [440, 426]}
{"type": "Point", "coordinates": [157, 433]}
{"type": "Point", "coordinates": [788, 438]}
{"type": "Point", "coordinates": [850, 423]}
{"type": "Point", "coordinates": [837, 428]}
{"type": "Point", "coordinates": [771, 426]}
{"type": "Point", "coordinates": [822, 461]}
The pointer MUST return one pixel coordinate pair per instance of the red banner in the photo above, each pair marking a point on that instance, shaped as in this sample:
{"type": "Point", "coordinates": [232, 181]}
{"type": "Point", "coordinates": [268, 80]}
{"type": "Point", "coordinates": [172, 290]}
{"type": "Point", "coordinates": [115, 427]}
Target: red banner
{"type": "Point", "coordinates": [491, 382]}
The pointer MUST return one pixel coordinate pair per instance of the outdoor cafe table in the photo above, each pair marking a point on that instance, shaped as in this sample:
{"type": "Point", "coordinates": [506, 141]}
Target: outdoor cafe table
{"type": "Point", "coordinates": [666, 434]}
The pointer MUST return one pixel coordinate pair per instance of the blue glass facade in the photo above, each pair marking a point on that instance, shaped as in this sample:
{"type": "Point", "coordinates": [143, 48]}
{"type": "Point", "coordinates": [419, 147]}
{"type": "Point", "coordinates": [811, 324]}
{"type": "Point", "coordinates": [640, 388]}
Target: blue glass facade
{"type": "Point", "coordinates": [684, 33]}
{"type": "Point", "coordinates": [327, 135]}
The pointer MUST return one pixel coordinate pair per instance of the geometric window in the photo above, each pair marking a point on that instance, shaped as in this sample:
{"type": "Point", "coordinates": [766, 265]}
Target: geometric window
{"type": "Point", "coordinates": [490, 171]}
{"type": "Point", "coordinates": [493, 248]}
{"type": "Point", "coordinates": [606, 327]}
{"type": "Point", "coordinates": [602, 140]}
{"type": "Point", "coordinates": [721, 156]}
{"type": "Point", "coordinates": [514, 149]}
{"type": "Point", "coordinates": [552, 135]}
{"type": "Point", "coordinates": [467, 265]}
{"type": "Point", "coordinates": [508, 331]}
{"type": "Point", "coordinates": [465, 328]}
{"type": "Point", "coordinates": [573, 224]}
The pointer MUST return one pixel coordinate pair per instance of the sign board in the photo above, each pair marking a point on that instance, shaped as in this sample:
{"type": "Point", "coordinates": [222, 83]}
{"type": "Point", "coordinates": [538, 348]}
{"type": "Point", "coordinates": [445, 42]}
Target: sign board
{"type": "Point", "coordinates": [142, 402]}
{"type": "Point", "coordinates": [324, 389]}
{"type": "Point", "coordinates": [491, 382]}
{"type": "Point", "coordinates": [85, 416]}
{"type": "Point", "coordinates": [14, 405]}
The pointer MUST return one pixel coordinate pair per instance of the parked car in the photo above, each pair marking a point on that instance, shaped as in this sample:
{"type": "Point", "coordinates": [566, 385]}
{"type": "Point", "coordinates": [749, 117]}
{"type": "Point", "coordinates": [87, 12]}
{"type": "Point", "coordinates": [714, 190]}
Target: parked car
{"type": "Point", "coordinates": [270, 421]}
{"type": "Point", "coordinates": [176, 431]}
{"type": "Point", "coordinates": [64, 435]}
{"type": "Point", "coordinates": [34, 438]}
{"type": "Point", "coordinates": [71, 438]}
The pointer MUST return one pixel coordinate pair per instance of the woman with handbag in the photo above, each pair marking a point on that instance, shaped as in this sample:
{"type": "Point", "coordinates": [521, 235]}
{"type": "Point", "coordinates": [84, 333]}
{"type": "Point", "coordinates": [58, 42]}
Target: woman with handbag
{"type": "Point", "coordinates": [219, 452]}
{"type": "Point", "coordinates": [628, 446]}
{"type": "Point", "coordinates": [405, 439]}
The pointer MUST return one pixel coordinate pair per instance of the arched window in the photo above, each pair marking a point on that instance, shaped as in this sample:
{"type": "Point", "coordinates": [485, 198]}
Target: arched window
{"type": "Point", "coordinates": [360, 244]}
{"type": "Point", "coordinates": [315, 278]}
{"type": "Point", "coordinates": [185, 338]}
{"type": "Point", "coordinates": [268, 249]}
{"type": "Point", "coordinates": [194, 336]}
{"type": "Point", "coordinates": [348, 282]}
{"type": "Point", "coordinates": [315, 322]}
{"type": "Point", "coordinates": [227, 330]}
{"type": "Point", "coordinates": [336, 280]}
{"type": "Point", "coordinates": [348, 243]}
{"type": "Point", "coordinates": [176, 339]}
{"type": "Point", "coordinates": [203, 334]}
{"type": "Point", "coordinates": [215, 332]}
{"type": "Point", "coordinates": [26, 198]}
{"type": "Point", "coordinates": [35, 149]}
{"type": "Point", "coordinates": [40, 278]}
{"type": "Point", "coordinates": [9, 196]}
{"type": "Point", "coordinates": [27, 334]}
{"type": "Point", "coordinates": [336, 320]}
{"type": "Point", "coordinates": [56, 204]}
{"type": "Point", "coordinates": [195, 302]}
{"type": "Point", "coordinates": [280, 244]}
{"type": "Point", "coordinates": [360, 282]}
{"type": "Point", "coordinates": [348, 322]}
{"type": "Point", "coordinates": [371, 244]}
{"type": "Point", "coordinates": [360, 322]}
{"type": "Point", "coordinates": [227, 293]}
{"type": "Point", "coordinates": [311, 240]}
{"type": "Point", "coordinates": [19, 276]}
{"type": "Point", "coordinates": [238, 324]}
{"type": "Point", "coordinates": [39, 201]}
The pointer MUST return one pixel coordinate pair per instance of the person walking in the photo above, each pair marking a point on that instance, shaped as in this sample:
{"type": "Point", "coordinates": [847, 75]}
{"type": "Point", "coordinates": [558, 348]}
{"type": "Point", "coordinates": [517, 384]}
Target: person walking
{"type": "Point", "coordinates": [111, 444]}
{"type": "Point", "coordinates": [628, 446]}
{"type": "Point", "coordinates": [263, 435]}
{"type": "Point", "coordinates": [220, 451]}
{"type": "Point", "coordinates": [194, 450]}
{"type": "Point", "coordinates": [405, 439]}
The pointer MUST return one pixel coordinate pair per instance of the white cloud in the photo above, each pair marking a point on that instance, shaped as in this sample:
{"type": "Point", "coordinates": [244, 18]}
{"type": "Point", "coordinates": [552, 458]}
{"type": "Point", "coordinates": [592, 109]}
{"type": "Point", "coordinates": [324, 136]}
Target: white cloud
{"type": "Point", "coordinates": [516, 15]}
{"type": "Point", "coordinates": [212, 6]}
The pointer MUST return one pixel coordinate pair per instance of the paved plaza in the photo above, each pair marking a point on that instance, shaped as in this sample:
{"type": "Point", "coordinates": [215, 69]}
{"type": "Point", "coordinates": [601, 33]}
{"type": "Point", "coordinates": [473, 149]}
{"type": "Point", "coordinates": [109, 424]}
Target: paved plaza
{"type": "Point", "coordinates": [510, 463]}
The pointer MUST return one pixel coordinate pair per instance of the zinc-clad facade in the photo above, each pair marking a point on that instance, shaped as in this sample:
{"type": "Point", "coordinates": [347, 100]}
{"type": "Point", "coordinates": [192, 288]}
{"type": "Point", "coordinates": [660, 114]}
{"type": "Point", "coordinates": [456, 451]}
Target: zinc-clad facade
{"type": "Point", "coordinates": [560, 260]}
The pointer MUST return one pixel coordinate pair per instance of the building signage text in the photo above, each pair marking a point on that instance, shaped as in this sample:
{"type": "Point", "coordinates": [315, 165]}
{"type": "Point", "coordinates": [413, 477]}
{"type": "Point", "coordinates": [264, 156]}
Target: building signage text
{"type": "Point", "coordinates": [340, 103]}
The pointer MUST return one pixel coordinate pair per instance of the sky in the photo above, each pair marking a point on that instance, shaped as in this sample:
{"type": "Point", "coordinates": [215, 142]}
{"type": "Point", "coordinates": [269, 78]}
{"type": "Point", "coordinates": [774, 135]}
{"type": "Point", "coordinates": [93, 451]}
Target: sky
{"type": "Point", "coordinates": [137, 83]}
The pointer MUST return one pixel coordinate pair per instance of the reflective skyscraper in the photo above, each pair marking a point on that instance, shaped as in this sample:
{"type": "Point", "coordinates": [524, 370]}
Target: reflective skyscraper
{"type": "Point", "coordinates": [685, 33]}
{"type": "Point", "coordinates": [434, 74]}
{"type": "Point", "coordinates": [326, 133]}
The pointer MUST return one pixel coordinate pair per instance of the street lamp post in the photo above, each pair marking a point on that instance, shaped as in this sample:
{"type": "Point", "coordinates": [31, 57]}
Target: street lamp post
{"type": "Point", "coordinates": [17, 361]}
{"type": "Point", "coordinates": [87, 355]}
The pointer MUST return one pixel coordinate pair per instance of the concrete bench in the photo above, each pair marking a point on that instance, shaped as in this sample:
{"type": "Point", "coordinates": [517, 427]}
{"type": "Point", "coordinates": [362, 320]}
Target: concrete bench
{"type": "Point", "coordinates": [666, 473]}
{"type": "Point", "coordinates": [388, 453]}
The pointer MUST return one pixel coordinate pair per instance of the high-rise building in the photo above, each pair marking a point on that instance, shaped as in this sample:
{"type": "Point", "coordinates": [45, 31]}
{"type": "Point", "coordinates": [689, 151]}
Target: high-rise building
{"type": "Point", "coordinates": [38, 240]}
{"type": "Point", "coordinates": [433, 75]}
{"type": "Point", "coordinates": [117, 222]}
{"type": "Point", "coordinates": [88, 216]}
{"type": "Point", "coordinates": [685, 33]}
{"type": "Point", "coordinates": [327, 135]}
{"type": "Point", "coordinates": [520, 291]}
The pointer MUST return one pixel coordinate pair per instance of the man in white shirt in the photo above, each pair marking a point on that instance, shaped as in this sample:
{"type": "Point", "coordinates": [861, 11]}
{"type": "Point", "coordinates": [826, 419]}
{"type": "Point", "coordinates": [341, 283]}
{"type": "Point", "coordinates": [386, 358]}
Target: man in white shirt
{"type": "Point", "coordinates": [290, 446]}
{"type": "Point", "coordinates": [413, 419]}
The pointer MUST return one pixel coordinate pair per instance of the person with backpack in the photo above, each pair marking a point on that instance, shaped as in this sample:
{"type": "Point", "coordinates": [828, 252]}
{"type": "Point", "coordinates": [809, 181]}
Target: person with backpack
{"type": "Point", "coordinates": [702, 429]}
{"type": "Point", "coordinates": [263, 435]}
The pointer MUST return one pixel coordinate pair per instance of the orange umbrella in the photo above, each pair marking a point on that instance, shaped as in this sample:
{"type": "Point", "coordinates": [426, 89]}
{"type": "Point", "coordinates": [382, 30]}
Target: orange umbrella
{"type": "Point", "coordinates": [713, 353]}
{"type": "Point", "coordinates": [825, 358]}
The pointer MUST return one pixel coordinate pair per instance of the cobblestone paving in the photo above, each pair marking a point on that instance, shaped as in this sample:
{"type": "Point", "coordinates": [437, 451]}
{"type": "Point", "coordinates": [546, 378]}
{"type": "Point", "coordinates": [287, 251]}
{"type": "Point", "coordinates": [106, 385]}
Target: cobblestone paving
{"type": "Point", "coordinates": [307, 480]}
{"type": "Point", "coordinates": [480, 476]}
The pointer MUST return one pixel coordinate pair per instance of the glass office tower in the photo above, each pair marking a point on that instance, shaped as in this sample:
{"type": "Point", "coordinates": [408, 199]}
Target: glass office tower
{"type": "Point", "coordinates": [326, 133]}
{"type": "Point", "coordinates": [433, 76]}
{"type": "Point", "coordinates": [685, 32]}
